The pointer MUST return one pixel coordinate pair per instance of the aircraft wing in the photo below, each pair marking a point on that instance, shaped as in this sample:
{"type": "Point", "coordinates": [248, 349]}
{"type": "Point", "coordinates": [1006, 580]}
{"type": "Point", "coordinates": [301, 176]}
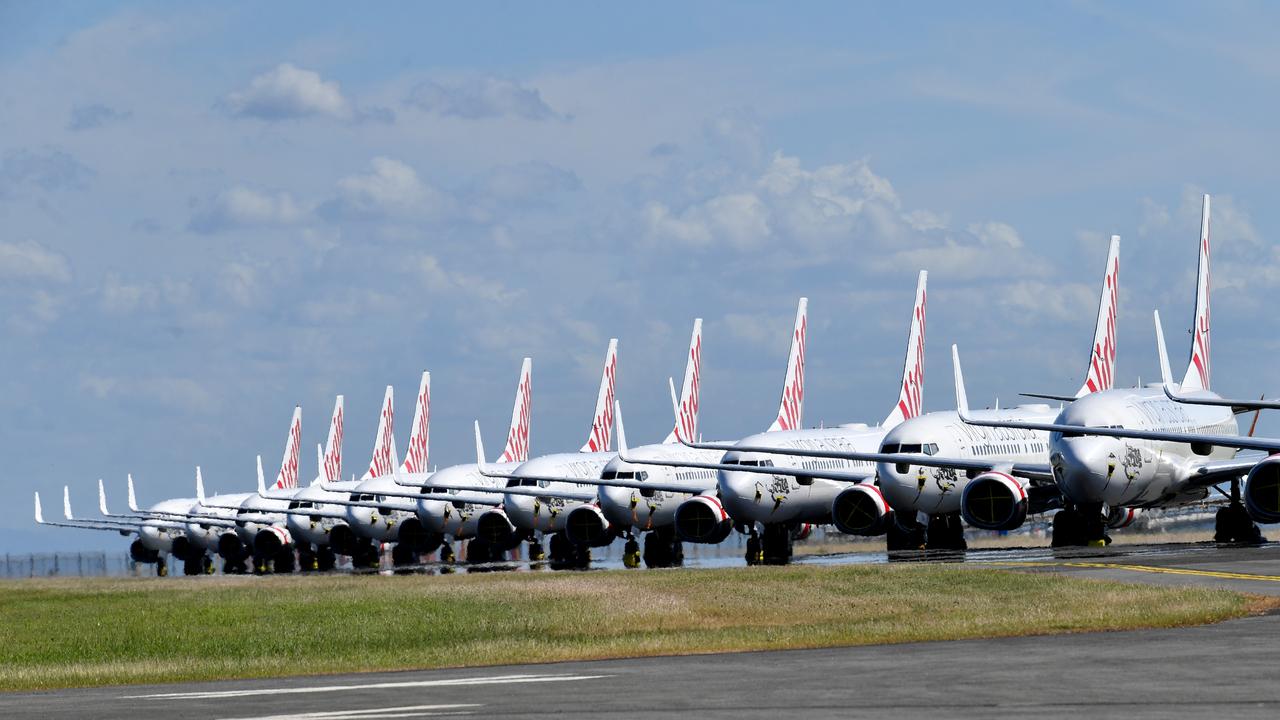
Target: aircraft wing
{"type": "Point", "coordinates": [836, 475]}
{"type": "Point", "coordinates": [1212, 472]}
{"type": "Point", "coordinates": [1239, 407]}
{"type": "Point", "coordinates": [605, 482]}
{"type": "Point", "coordinates": [580, 495]}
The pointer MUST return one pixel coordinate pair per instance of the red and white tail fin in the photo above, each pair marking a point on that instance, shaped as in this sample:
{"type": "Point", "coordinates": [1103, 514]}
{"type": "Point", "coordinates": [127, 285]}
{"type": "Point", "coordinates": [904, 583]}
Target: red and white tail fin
{"type": "Point", "coordinates": [686, 427]}
{"type": "Point", "coordinates": [791, 407]}
{"type": "Point", "coordinates": [383, 462]}
{"type": "Point", "coordinates": [517, 448]}
{"type": "Point", "coordinates": [331, 460]}
{"type": "Point", "coordinates": [602, 422]}
{"type": "Point", "coordinates": [1197, 377]}
{"type": "Point", "coordinates": [1102, 358]}
{"type": "Point", "coordinates": [287, 478]}
{"type": "Point", "coordinates": [911, 394]}
{"type": "Point", "coordinates": [415, 457]}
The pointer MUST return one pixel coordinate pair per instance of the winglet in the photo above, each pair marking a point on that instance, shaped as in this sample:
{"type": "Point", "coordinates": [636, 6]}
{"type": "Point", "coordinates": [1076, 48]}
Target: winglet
{"type": "Point", "coordinates": [66, 502]}
{"type": "Point", "coordinates": [415, 456]}
{"type": "Point", "coordinates": [911, 394]}
{"type": "Point", "coordinates": [287, 478]}
{"type": "Point", "coordinates": [791, 406]}
{"type": "Point", "coordinates": [1197, 376]}
{"type": "Point", "coordinates": [479, 447]}
{"type": "Point", "coordinates": [962, 396]}
{"type": "Point", "coordinates": [199, 486]}
{"type": "Point", "coordinates": [39, 512]}
{"type": "Point", "coordinates": [102, 498]}
{"type": "Point", "coordinates": [1166, 376]}
{"type": "Point", "coordinates": [517, 447]}
{"type": "Point", "coordinates": [686, 408]}
{"type": "Point", "coordinates": [262, 481]}
{"type": "Point", "coordinates": [600, 436]}
{"type": "Point", "coordinates": [133, 500]}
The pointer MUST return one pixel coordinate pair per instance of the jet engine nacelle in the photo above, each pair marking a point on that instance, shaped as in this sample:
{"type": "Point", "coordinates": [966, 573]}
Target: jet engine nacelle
{"type": "Point", "coordinates": [497, 529]}
{"type": "Point", "coordinates": [702, 519]}
{"type": "Point", "coordinates": [994, 501]}
{"type": "Point", "coordinates": [1262, 491]}
{"type": "Point", "coordinates": [1121, 517]}
{"type": "Point", "coordinates": [861, 510]}
{"type": "Point", "coordinates": [587, 525]}
{"type": "Point", "coordinates": [141, 553]}
{"type": "Point", "coordinates": [413, 535]}
{"type": "Point", "coordinates": [271, 540]}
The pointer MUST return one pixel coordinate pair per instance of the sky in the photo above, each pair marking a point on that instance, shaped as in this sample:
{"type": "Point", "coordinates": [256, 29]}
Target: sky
{"type": "Point", "coordinates": [212, 212]}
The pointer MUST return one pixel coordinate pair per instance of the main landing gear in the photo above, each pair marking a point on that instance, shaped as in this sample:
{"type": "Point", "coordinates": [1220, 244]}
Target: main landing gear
{"type": "Point", "coordinates": [770, 547]}
{"type": "Point", "coordinates": [567, 555]}
{"type": "Point", "coordinates": [1080, 526]}
{"type": "Point", "coordinates": [661, 549]}
{"type": "Point", "coordinates": [1233, 524]}
{"type": "Point", "coordinates": [946, 532]}
{"type": "Point", "coordinates": [904, 533]}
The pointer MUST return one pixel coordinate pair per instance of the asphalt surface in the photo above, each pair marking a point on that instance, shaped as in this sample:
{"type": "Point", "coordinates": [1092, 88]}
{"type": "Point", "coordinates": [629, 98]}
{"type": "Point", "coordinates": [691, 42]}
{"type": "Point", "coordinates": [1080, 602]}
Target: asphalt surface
{"type": "Point", "coordinates": [1229, 669]}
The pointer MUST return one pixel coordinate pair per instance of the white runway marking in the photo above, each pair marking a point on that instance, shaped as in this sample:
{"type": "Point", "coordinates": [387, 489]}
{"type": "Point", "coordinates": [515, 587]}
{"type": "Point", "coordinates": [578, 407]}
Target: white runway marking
{"type": "Point", "coordinates": [408, 711]}
{"type": "Point", "coordinates": [250, 692]}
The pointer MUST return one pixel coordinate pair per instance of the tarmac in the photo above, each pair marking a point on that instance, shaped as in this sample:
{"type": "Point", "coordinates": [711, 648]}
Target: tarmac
{"type": "Point", "coordinates": [1228, 668]}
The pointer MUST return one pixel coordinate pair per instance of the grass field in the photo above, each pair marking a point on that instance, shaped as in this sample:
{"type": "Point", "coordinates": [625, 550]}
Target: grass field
{"type": "Point", "coordinates": [59, 633]}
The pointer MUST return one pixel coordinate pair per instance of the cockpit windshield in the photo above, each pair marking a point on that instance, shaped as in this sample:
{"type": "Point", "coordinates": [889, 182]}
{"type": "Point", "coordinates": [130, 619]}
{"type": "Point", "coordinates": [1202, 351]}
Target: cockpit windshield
{"type": "Point", "coordinates": [909, 448]}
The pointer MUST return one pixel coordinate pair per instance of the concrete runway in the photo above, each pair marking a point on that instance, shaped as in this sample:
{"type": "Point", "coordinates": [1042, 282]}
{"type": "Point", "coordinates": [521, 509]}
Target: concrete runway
{"type": "Point", "coordinates": [1230, 668]}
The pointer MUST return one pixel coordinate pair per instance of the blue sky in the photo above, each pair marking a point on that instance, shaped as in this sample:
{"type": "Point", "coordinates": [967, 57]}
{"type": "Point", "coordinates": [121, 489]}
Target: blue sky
{"type": "Point", "coordinates": [213, 212]}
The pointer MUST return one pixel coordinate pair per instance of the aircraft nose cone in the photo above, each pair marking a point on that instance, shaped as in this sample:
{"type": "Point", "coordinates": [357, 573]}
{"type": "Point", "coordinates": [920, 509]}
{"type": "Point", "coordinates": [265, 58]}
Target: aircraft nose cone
{"type": "Point", "coordinates": [616, 505]}
{"type": "Point", "coordinates": [1084, 467]}
{"type": "Point", "coordinates": [746, 495]}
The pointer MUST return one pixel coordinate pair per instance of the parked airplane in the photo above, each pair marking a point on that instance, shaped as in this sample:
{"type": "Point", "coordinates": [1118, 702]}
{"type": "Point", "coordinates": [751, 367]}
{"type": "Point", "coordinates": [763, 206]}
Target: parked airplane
{"type": "Point", "coordinates": [784, 480]}
{"type": "Point", "coordinates": [936, 447]}
{"type": "Point", "coordinates": [541, 491]}
{"type": "Point", "coordinates": [1100, 476]}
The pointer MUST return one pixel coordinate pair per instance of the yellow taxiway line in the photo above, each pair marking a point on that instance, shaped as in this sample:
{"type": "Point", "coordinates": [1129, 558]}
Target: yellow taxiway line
{"type": "Point", "coordinates": [1146, 568]}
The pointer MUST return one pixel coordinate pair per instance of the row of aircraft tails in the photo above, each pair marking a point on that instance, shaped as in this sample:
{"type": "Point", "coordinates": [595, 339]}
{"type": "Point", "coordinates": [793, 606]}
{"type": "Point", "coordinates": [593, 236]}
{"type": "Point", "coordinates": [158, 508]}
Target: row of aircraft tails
{"type": "Point", "coordinates": [1099, 458]}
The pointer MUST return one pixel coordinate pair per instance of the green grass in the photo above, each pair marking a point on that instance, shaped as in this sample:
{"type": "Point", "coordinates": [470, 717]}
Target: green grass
{"type": "Point", "coordinates": [60, 633]}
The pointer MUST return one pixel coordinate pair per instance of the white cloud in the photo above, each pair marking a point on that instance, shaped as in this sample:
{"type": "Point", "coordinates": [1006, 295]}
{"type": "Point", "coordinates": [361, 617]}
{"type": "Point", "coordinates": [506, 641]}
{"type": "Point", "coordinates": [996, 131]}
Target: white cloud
{"type": "Point", "coordinates": [996, 234]}
{"type": "Point", "coordinates": [441, 281]}
{"type": "Point", "coordinates": [391, 188]}
{"type": "Point", "coordinates": [31, 261]}
{"type": "Point", "coordinates": [177, 393]}
{"type": "Point", "coordinates": [288, 92]}
{"type": "Point", "coordinates": [479, 98]}
{"type": "Point", "coordinates": [243, 207]}
{"type": "Point", "coordinates": [239, 282]}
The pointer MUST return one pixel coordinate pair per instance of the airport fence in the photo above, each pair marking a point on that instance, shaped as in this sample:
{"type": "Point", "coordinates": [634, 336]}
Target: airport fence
{"type": "Point", "coordinates": [73, 564]}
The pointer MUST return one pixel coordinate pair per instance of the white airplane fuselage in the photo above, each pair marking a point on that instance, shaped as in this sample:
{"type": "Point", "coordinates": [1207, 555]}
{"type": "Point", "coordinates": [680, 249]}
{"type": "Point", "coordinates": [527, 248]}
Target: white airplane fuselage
{"type": "Point", "coordinates": [381, 523]}
{"type": "Point", "coordinates": [458, 518]}
{"type": "Point", "coordinates": [1124, 472]}
{"type": "Point", "coordinates": [651, 509]}
{"type": "Point", "coordinates": [768, 499]}
{"type": "Point", "coordinates": [312, 528]}
{"type": "Point", "coordinates": [548, 514]}
{"type": "Point", "coordinates": [934, 491]}
{"type": "Point", "coordinates": [208, 536]}
{"type": "Point", "coordinates": [158, 534]}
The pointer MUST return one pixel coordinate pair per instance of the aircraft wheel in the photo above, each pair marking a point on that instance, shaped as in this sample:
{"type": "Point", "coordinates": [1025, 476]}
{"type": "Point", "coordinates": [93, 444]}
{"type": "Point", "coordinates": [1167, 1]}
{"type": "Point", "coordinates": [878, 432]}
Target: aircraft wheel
{"type": "Point", "coordinates": [284, 560]}
{"type": "Point", "coordinates": [946, 532]}
{"type": "Point", "coordinates": [560, 551]}
{"type": "Point", "coordinates": [325, 559]}
{"type": "Point", "coordinates": [162, 567]}
{"type": "Point", "coordinates": [755, 555]}
{"type": "Point", "coordinates": [1233, 525]}
{"type": "Point", "coordinates": [776, 545]}
{"type": "Point", "coordinates": [631, 554]}
{"type": "Point", "coordinates": [904, 534]}
{"type": "Point", "coordinates": [206, 564]}
{"type": "Point", "coordinates": [478, 552]}
{"type": "Point", "coordinates": [1068, 529]}
{"type": "Point", "coordinates": [536, 552]}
